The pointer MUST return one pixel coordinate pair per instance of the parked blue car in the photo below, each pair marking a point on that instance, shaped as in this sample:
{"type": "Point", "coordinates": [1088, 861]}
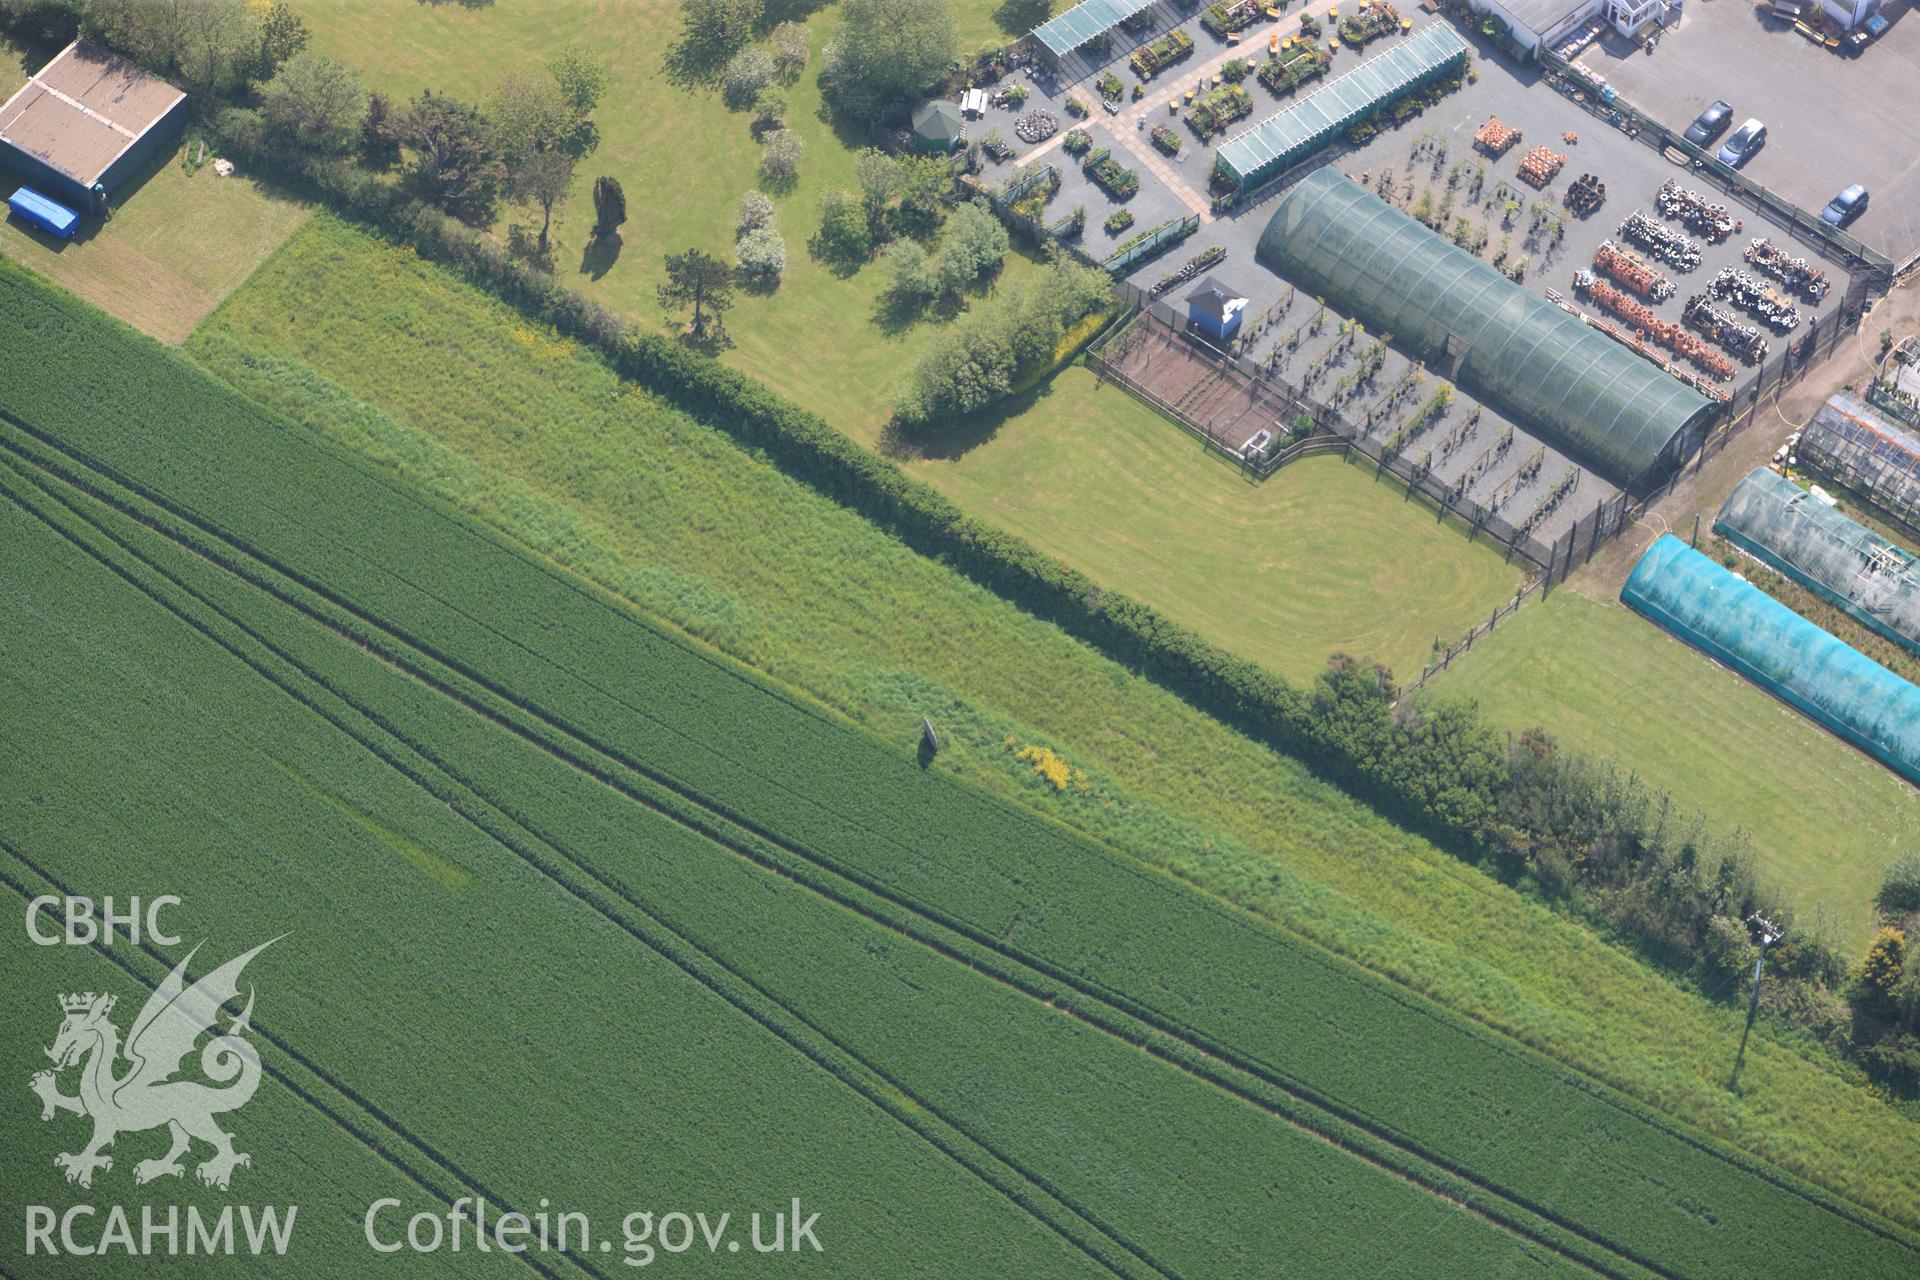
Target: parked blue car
{"type": "Point", "coordinates": [1845, 207]}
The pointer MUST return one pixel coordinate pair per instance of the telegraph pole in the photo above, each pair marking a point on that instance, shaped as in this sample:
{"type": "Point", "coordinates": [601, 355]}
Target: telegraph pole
{"type": "Point", "coordinates": [1765, 932]}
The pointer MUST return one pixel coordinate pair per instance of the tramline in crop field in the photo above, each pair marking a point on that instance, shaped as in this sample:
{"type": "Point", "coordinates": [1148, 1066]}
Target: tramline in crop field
{"type": "Point", "coordinates": [903, 911]}
{"type": "Point", "coordinates": [620, 486]}
{"type": "Point", "coordinates": [1165, 784]}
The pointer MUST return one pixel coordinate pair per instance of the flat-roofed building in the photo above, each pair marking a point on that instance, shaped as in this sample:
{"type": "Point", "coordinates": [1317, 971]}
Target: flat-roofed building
{"type": "Point", "coordinates": [85, 123]}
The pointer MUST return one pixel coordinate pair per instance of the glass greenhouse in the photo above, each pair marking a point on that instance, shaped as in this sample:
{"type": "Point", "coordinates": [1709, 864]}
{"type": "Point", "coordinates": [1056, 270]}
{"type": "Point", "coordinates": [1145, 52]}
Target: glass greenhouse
{"type": "Point", "coordinates": [1864, 451]}
{"type": "Point", "coordinates": [1813, 671]}
{"type": "Point", "coordinates": [1574, 388]}
{"type": "Point", "coordinates": [1290, 136]}
{"type": "Point", "coordinates": [1784, 526]}
{"type": "Point", "coordinates": [1084, 21]}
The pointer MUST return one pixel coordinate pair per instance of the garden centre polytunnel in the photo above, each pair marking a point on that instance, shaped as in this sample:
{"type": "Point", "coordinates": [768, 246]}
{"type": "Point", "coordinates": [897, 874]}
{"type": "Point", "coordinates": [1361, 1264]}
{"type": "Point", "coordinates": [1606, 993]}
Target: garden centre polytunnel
{"type": "Point", "coordinates": [1813, 671]}
{"type": "Point", "coordinates": [1084, 22]}
{"type": "Point", "coordinates": [1582, 392]}
{"type": "Point", "coordinates": [1290, 136]}
{"type": "Point", "coordinates": [1863, 450]}
{"type": "Point", "coordinates": [1784, 526]}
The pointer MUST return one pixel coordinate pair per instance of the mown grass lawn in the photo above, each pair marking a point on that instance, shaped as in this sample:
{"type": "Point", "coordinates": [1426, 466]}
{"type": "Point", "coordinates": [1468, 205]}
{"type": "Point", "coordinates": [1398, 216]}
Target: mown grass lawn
{"type": "Point", "coordinates": [1284, 572]}
{"type": "Point", "coordinates": [1825, 818]}
{"type": "Point", "coordinates": [684, 160]}
{"type": "Point", "coordinates": [534, 435]}
{"type": "Point", "coordinates": [175, 246]}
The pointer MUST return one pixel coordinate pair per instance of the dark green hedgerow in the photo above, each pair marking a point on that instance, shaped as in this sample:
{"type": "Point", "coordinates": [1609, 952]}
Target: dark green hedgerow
{"type": "Point", "coordinates": [1571, 827]}
{"type": "Point", "coordinates": [614, 695]}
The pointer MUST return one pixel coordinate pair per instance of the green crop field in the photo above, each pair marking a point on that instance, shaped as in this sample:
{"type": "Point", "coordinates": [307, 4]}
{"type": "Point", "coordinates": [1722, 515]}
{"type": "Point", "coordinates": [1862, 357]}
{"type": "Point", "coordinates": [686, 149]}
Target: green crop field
{"type": "Point", "coordinates": [535, 436]}
{"type": "Point", "coordinates": [1826, 819]}
{"type": "Point", "coordinates": [232, 600]}
{"type": "Point", "coordinates": [278, 822]}
{"type": "Point", "coordinates": [323, 1148]}
{"type": "Point", "coordinates": [1285, 572]}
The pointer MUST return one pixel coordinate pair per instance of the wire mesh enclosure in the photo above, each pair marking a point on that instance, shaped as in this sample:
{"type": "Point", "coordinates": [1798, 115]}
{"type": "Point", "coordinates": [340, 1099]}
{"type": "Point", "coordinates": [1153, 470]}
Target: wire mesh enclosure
{"type": "Point", "coordinates": [1784, 526]}
{"type": "Point", "coordinates": [1867, 453]}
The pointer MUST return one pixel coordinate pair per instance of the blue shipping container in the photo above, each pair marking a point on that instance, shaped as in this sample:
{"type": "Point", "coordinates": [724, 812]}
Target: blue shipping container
{"type": "Point", "coordinates": [56, 219]}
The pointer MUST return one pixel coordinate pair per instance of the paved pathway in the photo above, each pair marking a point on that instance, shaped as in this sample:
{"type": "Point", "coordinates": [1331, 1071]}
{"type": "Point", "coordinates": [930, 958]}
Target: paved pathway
{"type": "Point", "coordinates": [1191, 188]}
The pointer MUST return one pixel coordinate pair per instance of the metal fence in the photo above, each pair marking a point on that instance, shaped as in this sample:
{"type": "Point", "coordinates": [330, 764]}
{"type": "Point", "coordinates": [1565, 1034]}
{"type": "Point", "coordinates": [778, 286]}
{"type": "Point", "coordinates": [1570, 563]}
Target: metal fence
{"type": "Point", "coordinates": [1156, 241]}
{"type": "Point", "coordinates": [1554, 560]}
{"type": "Point", "coordinates": [1107, 358]}
{"type": "Point", "coordinates": [1289, 402]}
{"type": "Point", "coordinates": [1859, 259]}
{"type": "Point", "coordinates": [1017, 190]}
{"type": "Point", "coordinates": [1465, 643]}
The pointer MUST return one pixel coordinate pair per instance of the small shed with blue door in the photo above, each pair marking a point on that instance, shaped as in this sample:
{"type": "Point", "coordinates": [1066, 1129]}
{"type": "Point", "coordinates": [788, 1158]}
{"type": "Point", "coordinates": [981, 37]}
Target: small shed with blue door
{"type": "Point", "coordinates": [86, 123]}
{"type": "Point", "coordinates": [1215, 310]}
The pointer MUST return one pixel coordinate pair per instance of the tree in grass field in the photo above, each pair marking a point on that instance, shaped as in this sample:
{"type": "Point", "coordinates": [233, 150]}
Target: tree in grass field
{"type": "Point", "coordinates": [747, 73]}
{"type": "Point", "coordinates": [973, 245]}
{"type": "Point", "coordinates": [454, 163]}
{"type": "Point", "coordinates": [880, 181]}
{"type": "Point", "coordinates": [712, 31]}
{"type": "Point", "coordinates": [769, 111]}
{"type": "Point", "coordinates": [763, 256]}
{"type": "Point", "coordinates": [282, 34]}
{"type": "Point", "coordinates": [886, 53]}
{"type": "Point", "coordinates": [1900, 887]}
{"type": "Point", "coordinates": [845, 235]}
{"type": "Point", "coordinates": [915, 274]}
{"type": "Point", "coordinates": [580, 81]}
{"type": "Point", "coordinates": [790, 49]}
{"type": "Point", "coordinates": [702, 282]}
{"type": "Point", "coordinates": [314, 102]}
{"type": "Point", "coordinates": [528, 114]}
{"type": "Point", "coordinates": [609, 207]}
{"type": "Point", "coordinates": [380, 133]}
{"type": "Point", "coordinates": [541, 181]}
{"type": "Point", "coordinates": [756, 211]}
{"type": "Point", "coordinates": [780, 159]}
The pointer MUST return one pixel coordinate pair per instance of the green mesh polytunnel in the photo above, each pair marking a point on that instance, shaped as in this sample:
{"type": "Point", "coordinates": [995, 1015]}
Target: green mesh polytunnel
{"type": "Point", "coordinates": [1567, 384]}
{"type": "Point", "coordinates": [1812, 671]}
{"type": "Point", "coordinates": [1288, 136]}
{"type": "Point", "coordinates": [1786, 527]}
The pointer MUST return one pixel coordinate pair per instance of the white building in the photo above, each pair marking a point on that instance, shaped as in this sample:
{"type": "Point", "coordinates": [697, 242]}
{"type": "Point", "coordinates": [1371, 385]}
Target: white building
{"type": "Point", "coordinates": [1534, 23]}
{"type": "Point", "coordinates": [1850, 13]}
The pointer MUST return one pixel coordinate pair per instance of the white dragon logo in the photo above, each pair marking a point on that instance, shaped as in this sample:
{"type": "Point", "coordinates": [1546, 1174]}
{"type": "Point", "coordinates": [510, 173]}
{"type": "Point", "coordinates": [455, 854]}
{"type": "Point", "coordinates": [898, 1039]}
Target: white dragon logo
{"type": "Point", "coordinates": [147, 1096]}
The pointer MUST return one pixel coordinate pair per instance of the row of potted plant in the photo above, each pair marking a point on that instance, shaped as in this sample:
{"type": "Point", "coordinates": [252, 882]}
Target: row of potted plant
{"type": "Point", "coordinates": [1149, 60]}
{"type": "Point", "coordinates": [1222, 18]}
{"type": "Point", "coordinates": [1284, 75]}
{"type": "Point", "coordinates": [1219, 109]}
{"type": "Point", "coordinates": [1110, 175]}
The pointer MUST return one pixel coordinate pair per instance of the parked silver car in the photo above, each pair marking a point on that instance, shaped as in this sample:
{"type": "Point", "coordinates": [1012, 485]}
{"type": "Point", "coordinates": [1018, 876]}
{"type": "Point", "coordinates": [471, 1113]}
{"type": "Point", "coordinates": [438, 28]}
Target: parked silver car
{"type": "Point", "coordinates": [1746, 140]}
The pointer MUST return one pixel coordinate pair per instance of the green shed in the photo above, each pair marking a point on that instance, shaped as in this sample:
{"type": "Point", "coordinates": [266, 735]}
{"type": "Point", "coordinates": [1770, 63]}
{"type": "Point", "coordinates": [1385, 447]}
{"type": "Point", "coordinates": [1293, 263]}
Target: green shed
{"type": "Point", "coordinates": [938, 125]}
